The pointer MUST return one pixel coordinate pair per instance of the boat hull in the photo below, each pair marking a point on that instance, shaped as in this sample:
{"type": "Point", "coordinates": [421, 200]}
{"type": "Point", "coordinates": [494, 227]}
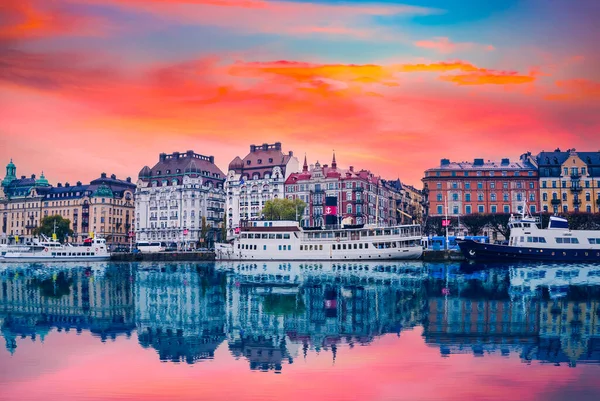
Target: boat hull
{"type": "Point", "coordinates": [18, 259]}
{"type": "Point", "coordinates": [498, 253]}
{"type": "Point", "coordinates": [412, 253]}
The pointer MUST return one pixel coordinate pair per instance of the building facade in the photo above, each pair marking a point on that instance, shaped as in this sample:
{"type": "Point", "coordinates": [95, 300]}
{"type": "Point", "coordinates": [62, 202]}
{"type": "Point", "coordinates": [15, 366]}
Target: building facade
{"type": "Point", "coordinates": [255, 179]}
{"type": "Point", "coordinates": [362, 197]}
{"type": "Point", "coordinates": [482, 186]}
{"type": "Point", "coordinates": [569, 181]}
{"type": "Point", "coordinates": [104, 207]}
{"type": "Point", "coordinates": [176, 198]}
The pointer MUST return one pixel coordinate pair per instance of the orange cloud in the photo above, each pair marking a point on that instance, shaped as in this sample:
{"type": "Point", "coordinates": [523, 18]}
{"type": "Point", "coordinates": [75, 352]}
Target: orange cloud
{"type": "Point", "coordinates": [24, 19]}
{"type": "Point", "coordinates": [575, 90]}
{"type": "Point", "coordinates": [445, 45]}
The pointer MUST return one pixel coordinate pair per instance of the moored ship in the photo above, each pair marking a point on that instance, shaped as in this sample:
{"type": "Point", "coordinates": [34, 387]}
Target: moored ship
{"type": "Point", "coordinates": [528, 241]}
{"type": "Point", "coordinates": [47, 250]}
{"type": "Point", "coordinates": [286, 240]}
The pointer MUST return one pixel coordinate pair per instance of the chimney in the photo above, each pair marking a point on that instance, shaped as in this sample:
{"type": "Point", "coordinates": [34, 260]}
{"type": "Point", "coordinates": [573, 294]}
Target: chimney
{"type": "Point", "coordinates": [33, 176]}
{"type": "Point", "coordinates": [112, 176]}
{"type": "Point", "coordinates": [22, 177]}
{"type": "Point", "coordinates": [59, 185]}
{"type": "Point", "coordinates": [291, 153]}
{"type": "Point", "coordinates": [162, 157]}
{"type": "Point", "coordinates": [189, 153]}
{"type": "Point", "coordinates": [505, 162]}
{"type": "Point", "coordinates": [265, 146]}
{"type": "Point", "coordinates": [252, 148]}
{"type": "Point", "coordinates": [67, 185]}
{"type": "Point", "coordinates": [78, 183]}
{"type": "Point", "coordinates": [352, 168]}
{"type": "Point", "coordinates": [277, 145]}
{"type": "Point", "coordinates": [445, 162]}
{"type": "Point", "coordinates": [211, 159]}
{"type": "Point", "coordinates": [176, 155]}
{"type": "Point", "coordinates": [103, 175]}
{"type": "Point", "coordinates": [128, 179]}
{"type": "Point", "coordinates": [478, 162]}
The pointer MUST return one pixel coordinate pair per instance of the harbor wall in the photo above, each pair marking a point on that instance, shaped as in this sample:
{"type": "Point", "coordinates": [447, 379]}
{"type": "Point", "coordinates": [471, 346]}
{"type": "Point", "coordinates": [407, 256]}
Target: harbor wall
{"type": "Point", "coordinates": [163, 257]}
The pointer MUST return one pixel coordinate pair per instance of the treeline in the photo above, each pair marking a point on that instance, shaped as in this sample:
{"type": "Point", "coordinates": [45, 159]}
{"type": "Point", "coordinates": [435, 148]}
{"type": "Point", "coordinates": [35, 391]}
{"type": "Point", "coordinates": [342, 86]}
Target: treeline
{"type": "Point", "coordinates": [479, 223]}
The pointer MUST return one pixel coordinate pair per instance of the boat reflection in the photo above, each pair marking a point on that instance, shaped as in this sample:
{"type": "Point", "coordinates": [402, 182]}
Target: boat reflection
{"type": "Point", "coordinates": [271, 313]}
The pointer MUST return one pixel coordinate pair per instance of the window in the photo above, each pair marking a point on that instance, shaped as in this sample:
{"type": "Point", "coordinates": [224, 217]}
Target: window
{"type": "Point", "coordinates": [564, 196]}
{"type": "Point", "coordinates": [439, 185]}
{"type": "Point", "coordinates": [480, 197]}
{"type": "Point", "coordinates": [349, 209]}
{"type": "Point", "coordinates": [493, 197]}
{"type": "Point", "coordinates": [440, 209]}
{"type": "Point", "coordinates": [587, 196]}
{"type": "Point", "coordinates": [467, 185]}
{"type": "Point", "coordinates": [506, 209]}
{"type": "Point", "coordinates": [566, 171]}
{"type": "Point", "coordinates": [480, 185]}
{"type": "Point", "coordinates": [439, 197]}
{"type": "Point", "coordinates": [492, 185]}
{"type": "Point", "coordinates": [494, 209]}
{"type": "Point", "coordinates": [480, 209]}
{"type": "Point", "coordinates": [505, 185]}
{"type": "Point", "coordinates": [454, 197]}
{"type": "Point", "coordinates": [544, 197]}
{"type": "Point", "coordinates": [553, 184]}
{"type": "Point", "coordinates": [543, 184]}
{"type": "Point", "coordinates": [532, 197]}
{"type": "Point", "coordinates": [455, 210]}
{"type": "Point", "coordinates": [519, 197]}
{"type": "Point", "coordinates": [468, 197]}
{"type": "Point", "coordinates": [468, 209]}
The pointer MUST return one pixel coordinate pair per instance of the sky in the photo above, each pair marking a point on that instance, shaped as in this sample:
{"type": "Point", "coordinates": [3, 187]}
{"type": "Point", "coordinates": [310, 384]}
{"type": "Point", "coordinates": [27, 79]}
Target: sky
{"type": "Point", "coordinates": [91, 86]}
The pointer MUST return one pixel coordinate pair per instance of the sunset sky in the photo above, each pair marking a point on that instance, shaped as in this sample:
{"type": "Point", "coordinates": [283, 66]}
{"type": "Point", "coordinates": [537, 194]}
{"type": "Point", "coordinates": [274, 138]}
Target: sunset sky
{"type": "Point", "coordinates": [91, 86]}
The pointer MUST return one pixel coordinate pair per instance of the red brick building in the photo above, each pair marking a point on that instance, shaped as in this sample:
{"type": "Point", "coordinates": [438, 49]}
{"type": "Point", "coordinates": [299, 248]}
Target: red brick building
{"type": "Point", "coordinates": [482, 186]}
{"type": "Point", "coordinates": [362, 197]}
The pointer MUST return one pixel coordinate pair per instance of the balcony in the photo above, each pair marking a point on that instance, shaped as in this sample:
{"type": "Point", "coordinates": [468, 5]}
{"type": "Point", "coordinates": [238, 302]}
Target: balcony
{"type": "Point", "coordinates": [163, 218]}
{"type": "Point", "coordinates": [576, 202]}
{"type": "Point", "coordinates": [576, 188]}
{"type": "Point", "coordinates": [555, 202]}
{"type": "Point", "coordinates": [575, 176]}
{"type": "Point", "coordinates": [254, 203]}
{"type": "Point", "coordinates": [152, 219]}
{"type": "Point", "coordinates": [174, 207]}
{"type": "Point", "coordinates": [153, 208]}
{"type": "Point", "coordinates": [163, 208]}
{"type": "Point", "coordinates": [174, 217]}
{"type": "Point", "coordinates": [358, 189]}
{"type": "Point", "coordinates": [216, 209]}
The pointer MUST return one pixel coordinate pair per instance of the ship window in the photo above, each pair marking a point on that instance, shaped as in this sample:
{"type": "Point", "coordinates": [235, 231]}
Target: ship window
{"type": "Point", "coordinates": [393, 244]}
{"type": "Point", "coordinates": [278, 236]}
{"type": "Point", "coordinates": [366, 246]}
{"type": "Point", "coordinates": [301, 247]}
{"type": "Point", "coordinates": [244, 235]}
{"type": "Point", "coordinates": [320, 247]}
{"type": "Point", "coordinates": [344, 246]}
{"type": "Point", "coordinates": [559, 240]}
{"type": "Point", "coordinates": [286, 236]}
{"type": "Point", "coordinates": [574, 241]}
{"type": "Point", "coordinates": [280, 247]}
{"type": "Point", "coordinates": [264, 247]}
{"type": "Point", "coordinates": [271, 236]}
{"type": "Point", "coordinates": [536, 239]}
{"type": "Point", "coordinates": [522, 239]}
{"type": "Point", "coordinates": [592, 241]}
{"type": "Point", "coordinates": [543, 240]}
{"type": "Point", "coordinates": [310, 248]}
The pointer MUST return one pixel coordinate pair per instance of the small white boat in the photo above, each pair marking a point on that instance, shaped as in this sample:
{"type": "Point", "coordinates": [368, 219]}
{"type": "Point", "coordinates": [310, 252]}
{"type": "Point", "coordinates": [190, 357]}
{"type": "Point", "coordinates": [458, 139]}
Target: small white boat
{"type": "Point", "coordinates": [47, 250]}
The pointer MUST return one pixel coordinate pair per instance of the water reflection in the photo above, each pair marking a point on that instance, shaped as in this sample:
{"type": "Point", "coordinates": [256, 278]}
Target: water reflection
{"type": "Point", "coordinates": [270, 314]}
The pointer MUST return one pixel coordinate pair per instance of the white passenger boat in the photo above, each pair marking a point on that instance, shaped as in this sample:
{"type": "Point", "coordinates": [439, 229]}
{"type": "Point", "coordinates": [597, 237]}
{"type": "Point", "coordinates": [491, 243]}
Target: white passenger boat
{"type": "Point", "coordinates": [47, 250]}
{"type": "Point", "coordinates": [528, 241]}
{"type": "Point", "coordinates": [286, 240]}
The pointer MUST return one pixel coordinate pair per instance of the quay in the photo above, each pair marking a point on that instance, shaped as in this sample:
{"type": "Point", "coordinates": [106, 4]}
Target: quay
{"type": "Point", "coordinates": [163, 257]}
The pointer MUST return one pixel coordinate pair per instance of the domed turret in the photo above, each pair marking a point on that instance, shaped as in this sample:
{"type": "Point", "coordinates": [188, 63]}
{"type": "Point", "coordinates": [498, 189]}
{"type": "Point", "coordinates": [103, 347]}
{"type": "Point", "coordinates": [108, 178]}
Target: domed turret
{"type": "Point", "coordinates": [11, 173]}
{"type": "Point", "coordinates": [145, 172]}
{"type": "Point", "coordinates": [103, 191]}
{"type": "Point", "coordinates": [42, 181]}
{"type": "Point", "coordinates": [236, 164]}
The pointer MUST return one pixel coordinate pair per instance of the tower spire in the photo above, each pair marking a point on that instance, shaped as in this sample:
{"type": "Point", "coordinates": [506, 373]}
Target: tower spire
{"type": "Point", "coordinates": [333, 162]}
{"type": "Point", "coordinates": [305, 166]}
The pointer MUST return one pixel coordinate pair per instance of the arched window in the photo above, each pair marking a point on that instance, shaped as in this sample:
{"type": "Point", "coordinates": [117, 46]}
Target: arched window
{"type": "Point", "coordinates": [349, 208]}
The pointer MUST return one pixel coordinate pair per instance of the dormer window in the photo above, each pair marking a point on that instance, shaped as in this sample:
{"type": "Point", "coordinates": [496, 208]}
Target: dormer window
{"type": "Point", "coordinates": [158, 172]}
{"type": "Point", "coordinates": [168, 171]}
{"type": "Point", "coordinates": [178, 171]}
{"type": "Point", "coordinates": [248, 162]}
{"type": "Point", "coordinates": [259, 161]}
{"type": "Point", "coordinates": [270, 160]}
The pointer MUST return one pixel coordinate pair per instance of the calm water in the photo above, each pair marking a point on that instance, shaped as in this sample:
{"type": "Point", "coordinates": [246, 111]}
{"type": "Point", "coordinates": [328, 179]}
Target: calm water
{"type": "Point", "coordinates": [299, 331]}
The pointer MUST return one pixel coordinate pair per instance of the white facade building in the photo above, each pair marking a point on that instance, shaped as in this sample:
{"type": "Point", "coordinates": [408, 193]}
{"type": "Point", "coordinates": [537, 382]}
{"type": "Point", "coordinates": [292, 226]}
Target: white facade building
{"type": "Point", "coordinates": [174, 196]}
{"type": "Point", "coordinates": [252, 181]}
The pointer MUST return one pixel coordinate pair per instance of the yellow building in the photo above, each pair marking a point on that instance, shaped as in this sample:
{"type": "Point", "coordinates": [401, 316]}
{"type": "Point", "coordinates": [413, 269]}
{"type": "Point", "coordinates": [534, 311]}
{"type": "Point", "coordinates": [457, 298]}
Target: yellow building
{"type": "Point", "coordinates": [569, 181]}
{"type": "Point", "coordinates": [105, 206]}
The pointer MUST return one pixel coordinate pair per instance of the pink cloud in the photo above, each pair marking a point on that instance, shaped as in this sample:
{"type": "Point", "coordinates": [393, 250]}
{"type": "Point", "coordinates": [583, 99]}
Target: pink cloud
{"type": "Point", "coordinates": [445, 45]}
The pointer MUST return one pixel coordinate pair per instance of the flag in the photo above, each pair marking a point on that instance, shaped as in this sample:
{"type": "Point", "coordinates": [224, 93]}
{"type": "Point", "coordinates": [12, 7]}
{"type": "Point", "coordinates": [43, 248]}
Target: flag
{"type": "Point", "coordinates": [54, 236]}
{"type": "Point", "coordinates": [330, 210]}
{"type": "Point", "coordinates": [16, 238]}
{"type": "Point", "coordinates": [241, 180]}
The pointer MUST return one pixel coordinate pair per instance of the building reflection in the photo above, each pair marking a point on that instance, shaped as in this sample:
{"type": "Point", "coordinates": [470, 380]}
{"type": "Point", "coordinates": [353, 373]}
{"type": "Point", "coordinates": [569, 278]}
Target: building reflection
{"type": "Point", "coordinates": [180, 311]}
{"type": "Point", "coordinates": [270, 314]}
{"type": "Point", "coordinates": [36, 300]}
{"type": "Point", "coordinates": [549, 314]}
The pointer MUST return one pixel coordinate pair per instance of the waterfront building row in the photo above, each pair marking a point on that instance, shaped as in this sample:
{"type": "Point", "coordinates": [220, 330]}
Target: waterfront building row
{"type": "Point", "coordinates": [104, 206]}
{"type": "Point", "coordinates": [549, 182]}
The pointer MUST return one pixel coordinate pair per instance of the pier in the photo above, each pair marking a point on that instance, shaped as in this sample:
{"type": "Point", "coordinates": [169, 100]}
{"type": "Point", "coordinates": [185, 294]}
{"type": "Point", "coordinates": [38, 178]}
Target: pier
{"type": "Point", "coordinates": [163, 257]}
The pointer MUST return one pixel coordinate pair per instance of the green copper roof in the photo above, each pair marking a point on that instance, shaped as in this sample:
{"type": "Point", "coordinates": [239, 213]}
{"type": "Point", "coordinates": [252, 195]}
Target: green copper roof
{"type": "Point", "coordinates": [42, 181]}
{"type": "Point", "coordinates": [10, 173]}
{"type": "Point", "coordinates": [103, 191]}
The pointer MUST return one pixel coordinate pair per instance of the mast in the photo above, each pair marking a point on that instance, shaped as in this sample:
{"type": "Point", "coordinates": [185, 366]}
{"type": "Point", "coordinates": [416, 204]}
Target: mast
{"type": "Point", "coordinates": [446, 218]}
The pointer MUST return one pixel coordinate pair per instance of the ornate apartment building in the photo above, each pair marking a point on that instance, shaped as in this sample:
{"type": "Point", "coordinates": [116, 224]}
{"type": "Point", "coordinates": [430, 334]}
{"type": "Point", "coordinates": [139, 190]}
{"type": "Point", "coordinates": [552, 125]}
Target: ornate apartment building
{"type": "Point", "coordinates": [174, 197]}
{"type": "Point", "coordinates": [104, 206]}
{"type": "Point", "coordinates": [255, 179]}
{"type": "Point", "coordinates": [362, 197]}
{"type": "Point", "coordinates": [569, 181]}
{"type": "Point", "coordinates": [482, 186]}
